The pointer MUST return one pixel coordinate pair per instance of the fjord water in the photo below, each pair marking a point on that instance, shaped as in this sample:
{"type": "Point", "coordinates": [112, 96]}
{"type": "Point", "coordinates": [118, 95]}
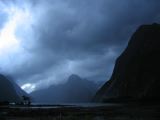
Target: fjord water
{"type": "Point", "coordinates": [84, 111]}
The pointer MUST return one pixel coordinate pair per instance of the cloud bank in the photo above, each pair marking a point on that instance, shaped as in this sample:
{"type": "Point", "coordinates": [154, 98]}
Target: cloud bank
{"type": "Point", "coordinates": [62, 37]}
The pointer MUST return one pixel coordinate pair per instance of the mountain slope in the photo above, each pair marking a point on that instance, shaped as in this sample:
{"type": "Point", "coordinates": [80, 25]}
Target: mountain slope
{"type": "Point", "coordinates": [136, 72]}
{"type": "Point", "coordinates": [74, 90]}
{"type": "Point", "coordinates": [10, 91]}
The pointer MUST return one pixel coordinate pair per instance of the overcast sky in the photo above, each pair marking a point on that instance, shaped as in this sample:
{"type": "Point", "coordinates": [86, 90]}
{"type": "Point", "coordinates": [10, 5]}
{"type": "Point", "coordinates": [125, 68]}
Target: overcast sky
{"type": "Point", "coordinates": [42, 42]}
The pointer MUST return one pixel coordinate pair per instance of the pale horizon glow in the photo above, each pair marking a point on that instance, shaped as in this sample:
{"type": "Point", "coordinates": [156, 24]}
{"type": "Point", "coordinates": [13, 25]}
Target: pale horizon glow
{"type": "Point", "coordinates": [28, 87]}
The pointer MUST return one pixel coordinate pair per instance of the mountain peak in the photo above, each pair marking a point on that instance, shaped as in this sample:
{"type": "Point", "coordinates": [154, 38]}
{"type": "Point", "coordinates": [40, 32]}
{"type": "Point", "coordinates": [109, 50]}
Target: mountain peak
{"type": "Point", "coordinates": [73, 78]}
{"type": "Point", "coordinates": [136, 72]}
{"type": "Point", "coordinates": [73, 91]}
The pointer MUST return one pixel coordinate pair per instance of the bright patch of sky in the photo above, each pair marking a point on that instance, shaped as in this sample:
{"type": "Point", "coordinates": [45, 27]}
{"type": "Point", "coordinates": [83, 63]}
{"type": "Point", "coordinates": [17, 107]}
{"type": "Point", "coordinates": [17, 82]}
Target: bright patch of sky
{"type": "Point", "coordinates": [28, 87]}
{"type": "Point", "coordinates": [8, 39]}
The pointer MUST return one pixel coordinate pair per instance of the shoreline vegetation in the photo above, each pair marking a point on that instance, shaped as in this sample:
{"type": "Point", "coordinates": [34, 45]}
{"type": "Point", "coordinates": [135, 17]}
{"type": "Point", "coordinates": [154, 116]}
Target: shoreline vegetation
{"type": "Point", "coordinates": [115, 111]}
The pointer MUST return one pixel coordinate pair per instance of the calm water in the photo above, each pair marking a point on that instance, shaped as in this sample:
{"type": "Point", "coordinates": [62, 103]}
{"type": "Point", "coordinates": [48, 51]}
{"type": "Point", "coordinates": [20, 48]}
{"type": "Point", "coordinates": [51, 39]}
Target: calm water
{"type": "Point", "coordinates": [82, 111]}
{"type": "Point", "coordinates": [60, 105]}
{"type": "Point", "coordinates": [76, 104]}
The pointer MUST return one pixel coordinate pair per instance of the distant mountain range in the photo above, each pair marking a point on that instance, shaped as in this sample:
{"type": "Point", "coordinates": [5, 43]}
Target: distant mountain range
{"type": "Point", "coordinates": [10, 91]}
{"type": "Point", "coordinates": [136, 75]}
{"type": "Point", "coordinates": [75, 90]}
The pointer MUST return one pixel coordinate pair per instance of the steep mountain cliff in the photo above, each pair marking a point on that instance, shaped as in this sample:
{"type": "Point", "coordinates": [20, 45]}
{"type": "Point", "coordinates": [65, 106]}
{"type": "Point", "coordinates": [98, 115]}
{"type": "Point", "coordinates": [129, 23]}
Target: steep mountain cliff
{"type": "Point", "coordinates": [136, 75]}
{"type": "Point", "coordinates": [10, 91]}
{"type": "Point", "coordinates": [74, 90]}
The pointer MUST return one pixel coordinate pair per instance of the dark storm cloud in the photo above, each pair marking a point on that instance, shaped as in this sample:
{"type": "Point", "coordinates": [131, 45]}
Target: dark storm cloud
{"type": "Point", "coordinates": [79, 36]}
{"type": "Point", "coordinates": [89, 25]}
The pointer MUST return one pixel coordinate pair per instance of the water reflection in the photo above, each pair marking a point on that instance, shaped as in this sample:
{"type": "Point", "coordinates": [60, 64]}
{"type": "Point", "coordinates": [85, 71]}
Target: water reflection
{"type": "Point", "coordinates": [81, 112]}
